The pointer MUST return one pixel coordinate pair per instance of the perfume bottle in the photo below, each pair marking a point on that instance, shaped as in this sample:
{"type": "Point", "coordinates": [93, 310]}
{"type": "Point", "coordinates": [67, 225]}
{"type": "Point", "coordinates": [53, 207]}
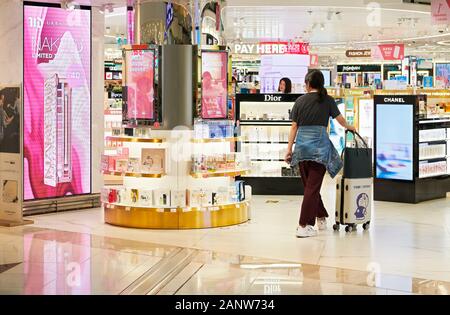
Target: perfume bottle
{"type": "Point", "coordinates": [57, 131]}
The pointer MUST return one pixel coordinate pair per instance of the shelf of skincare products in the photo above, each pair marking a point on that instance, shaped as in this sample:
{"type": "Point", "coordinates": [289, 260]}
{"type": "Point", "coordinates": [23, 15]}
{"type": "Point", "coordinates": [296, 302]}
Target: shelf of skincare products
{"type": "Point", "coordinates": [134, 139]}
{"type": "Point", "coordinates": [433, 169]}
{"type": "Point", "coordinates": [273, 151]}
{"type": "Point", "coordinates": [274, 169]}
{"type": "Point", "coordinates": [214, 140]}
{"type": "Point", "coordinates": [169, 198]}
{"type": "Point", "coordinates": [429, 135]}
{"type": "Point", "coordinates": [265, 134]}
{"type": "Point", "coordinates": [434, 151]}
{"type": "Point", "coordinates": [213, 129]}
{"type": "Point", "coordinates": [231, 164]}
{"type": "Point", "coordinates": [150, 163]}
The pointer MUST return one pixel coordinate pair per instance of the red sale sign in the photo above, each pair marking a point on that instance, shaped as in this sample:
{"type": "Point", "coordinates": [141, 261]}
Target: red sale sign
{"type": "Point", "coordinates": [440, 11]}
{"type": "Point", "coordinates": [389, 52]}
{"type": "Point", "coordinates": [314, 60]}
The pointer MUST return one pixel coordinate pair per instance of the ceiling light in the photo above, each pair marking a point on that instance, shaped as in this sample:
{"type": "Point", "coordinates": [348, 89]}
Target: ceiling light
{"type": "Point", "coordinates": [322, 27]}
{"type": "Point", "coordinates": [329, 15]}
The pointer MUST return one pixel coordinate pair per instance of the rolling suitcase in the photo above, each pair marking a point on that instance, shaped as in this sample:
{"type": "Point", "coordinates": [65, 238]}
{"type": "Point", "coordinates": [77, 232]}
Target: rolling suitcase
{"type": "Point", "coordinates": [354, 188]}
{"type": "Point", "coordinates": [353, 202]}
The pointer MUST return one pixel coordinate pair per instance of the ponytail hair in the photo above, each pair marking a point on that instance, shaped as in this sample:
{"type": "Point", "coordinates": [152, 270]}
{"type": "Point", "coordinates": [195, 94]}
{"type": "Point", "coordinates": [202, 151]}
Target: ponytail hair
{"type": "Point", "coordinates": [316, 80]}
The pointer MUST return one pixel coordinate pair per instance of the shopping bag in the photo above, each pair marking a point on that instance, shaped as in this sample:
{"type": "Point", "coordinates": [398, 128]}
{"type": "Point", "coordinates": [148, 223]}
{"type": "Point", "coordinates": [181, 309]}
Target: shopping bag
{"type": "Point", "coordinates": [358, 159]}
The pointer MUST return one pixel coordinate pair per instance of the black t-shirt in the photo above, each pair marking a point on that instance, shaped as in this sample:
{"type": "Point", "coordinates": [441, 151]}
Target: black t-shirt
{"type": "Point", "coordinates": [309, 111]}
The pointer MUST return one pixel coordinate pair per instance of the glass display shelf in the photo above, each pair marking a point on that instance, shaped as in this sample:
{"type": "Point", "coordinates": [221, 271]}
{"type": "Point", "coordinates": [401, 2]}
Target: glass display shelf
{"type": "Point", "coordinates": [224, 173]}
{"type": "Point", "coordinates": [215, 140]}
{"type": "Point", "coordinates": [134, 139]}
{"type": "Point", "coordinates": [132, 174]}
{"type": "Point", "coordinates": [253, 122]}
{"type": "Point", "coordinates": [177, 209]}
{"type": "Point", "coordinates": [439, 157]}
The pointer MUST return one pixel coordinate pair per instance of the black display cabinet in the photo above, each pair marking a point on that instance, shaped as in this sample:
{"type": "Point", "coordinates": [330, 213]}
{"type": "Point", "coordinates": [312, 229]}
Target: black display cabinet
{"type": "Point", "coordinates": [412, 153]}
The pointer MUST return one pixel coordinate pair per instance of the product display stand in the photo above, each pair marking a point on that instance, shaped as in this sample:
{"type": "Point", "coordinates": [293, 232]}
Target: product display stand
{"type": "Point", "coordinates": [162, 190]}
{"type": "Point", "coordinates": [264, 125]}
{"type": "Point", "coordinates": [412, 152]}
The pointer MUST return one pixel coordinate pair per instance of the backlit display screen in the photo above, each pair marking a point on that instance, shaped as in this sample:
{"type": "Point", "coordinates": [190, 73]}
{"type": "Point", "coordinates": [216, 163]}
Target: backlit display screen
{"type": "Point", "coordinates": [57, 101]}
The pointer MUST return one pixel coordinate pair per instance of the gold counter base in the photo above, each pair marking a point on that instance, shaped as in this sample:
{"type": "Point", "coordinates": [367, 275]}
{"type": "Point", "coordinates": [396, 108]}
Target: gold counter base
{"type": "Point", "coordinates": [180, 218]}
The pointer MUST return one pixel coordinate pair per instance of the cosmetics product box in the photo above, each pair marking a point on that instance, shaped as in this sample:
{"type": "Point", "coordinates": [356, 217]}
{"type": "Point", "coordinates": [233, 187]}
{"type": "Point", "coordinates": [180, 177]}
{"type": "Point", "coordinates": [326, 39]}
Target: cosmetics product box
{"type": "Point", "coordinates": [57, 131]}
{"type": "Point", "coordinates": [233, 194]}
{"type": "Point", "coordinates": [195, 198]}
{"type": "Point", "coordinates": [153, 161]}
{"type": "Point", "coordinates": [146, 198]}
{"type": "Point", "coordinates": [240, 190]}
{"type": "Point", "coordinates": [134, 196]}
{"type": "Point", "coordinates": [248, 192]}
{"type": "Point", "coordinates": [104, 195]}
{"type": "Point", "coordinates": [161, 197]}
{"type": "Point", "coordinates": [178, 198]}
{"type": "Point", "coordinates": [105, 162]}
{"type": "Point", "coordinates": [112, 196]}
{"type": "Point", "coordinates": [134, 165]}
{"type": "Point", "coordinates": [121, 165]}
{"type": "Point", "coordinates": [207, 198]}
{"type": "Point", "coordinates": [123, 196]}
{"type": "Point", "coordinates": [221, 196]}
{"type": "Point", "coordinates": [123, 153]}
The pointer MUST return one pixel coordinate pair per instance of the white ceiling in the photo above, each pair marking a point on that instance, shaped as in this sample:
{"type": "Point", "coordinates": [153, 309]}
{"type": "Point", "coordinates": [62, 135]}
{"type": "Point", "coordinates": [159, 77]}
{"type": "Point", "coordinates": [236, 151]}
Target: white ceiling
{"type": "Point", "coordinates": [331, 26]}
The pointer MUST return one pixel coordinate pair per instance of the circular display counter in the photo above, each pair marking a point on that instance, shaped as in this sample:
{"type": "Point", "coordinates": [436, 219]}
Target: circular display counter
{"type": "Point", "coordinates": [177, 218]}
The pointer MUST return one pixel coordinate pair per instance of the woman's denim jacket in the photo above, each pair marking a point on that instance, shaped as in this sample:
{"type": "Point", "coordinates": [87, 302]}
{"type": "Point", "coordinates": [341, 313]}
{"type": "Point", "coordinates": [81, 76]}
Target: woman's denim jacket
{"type": "Point", "coordinates": [313, 144]}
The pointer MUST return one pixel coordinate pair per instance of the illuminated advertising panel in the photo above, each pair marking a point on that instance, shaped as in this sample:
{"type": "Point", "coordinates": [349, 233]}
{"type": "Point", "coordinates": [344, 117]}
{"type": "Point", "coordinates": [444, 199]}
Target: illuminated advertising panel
{"type": "Point", "coordinates": [394, 141]}
{"type": "Point", "coordinates": [57, 101]}
{"type": "Point", "coordinates": [214, 84]}
{"type": "Point", "coordinates": [139, 84]}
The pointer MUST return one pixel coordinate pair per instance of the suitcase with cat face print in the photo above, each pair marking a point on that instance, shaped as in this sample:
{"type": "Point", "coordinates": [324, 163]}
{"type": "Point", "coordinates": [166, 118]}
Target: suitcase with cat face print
{"type": "Point", "coordinates": [354, 202]}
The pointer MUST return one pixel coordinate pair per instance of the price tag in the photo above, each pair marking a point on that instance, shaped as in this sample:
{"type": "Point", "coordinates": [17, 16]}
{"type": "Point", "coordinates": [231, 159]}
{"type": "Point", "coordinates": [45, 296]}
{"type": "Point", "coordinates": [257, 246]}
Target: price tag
{"type": "Point", "coordinates": [238, 205]}
{"type": "Point", "coordinates": [160, 210]}
{"type": "Point", "coordinates": [214, 208]}
{"type": "Point", "coordinates": [173, 210]}
{"type": "Point", "coordinates": [128, 209]}
{"type": "Point", "coordinates": [187, 209]}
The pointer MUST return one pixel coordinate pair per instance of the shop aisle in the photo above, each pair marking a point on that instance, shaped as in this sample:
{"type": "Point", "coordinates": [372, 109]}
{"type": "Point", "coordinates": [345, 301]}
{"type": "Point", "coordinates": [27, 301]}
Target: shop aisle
{"type": "Point", "coordinates": [408, 240]}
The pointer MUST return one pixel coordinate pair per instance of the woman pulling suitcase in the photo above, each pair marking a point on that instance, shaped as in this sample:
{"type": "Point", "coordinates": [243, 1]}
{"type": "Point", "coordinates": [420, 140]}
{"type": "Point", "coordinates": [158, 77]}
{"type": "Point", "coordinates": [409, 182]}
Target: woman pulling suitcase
{"type": "Point", "coordinates": [314, 152]}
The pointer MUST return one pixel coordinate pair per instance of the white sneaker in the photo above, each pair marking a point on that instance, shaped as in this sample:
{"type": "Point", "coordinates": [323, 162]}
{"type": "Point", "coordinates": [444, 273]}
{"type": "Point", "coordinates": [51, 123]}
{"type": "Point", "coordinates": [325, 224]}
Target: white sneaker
{"type": "Point", "coordinates": [321, 224]}
{"type": "Point", "coordinates": [307, 231]}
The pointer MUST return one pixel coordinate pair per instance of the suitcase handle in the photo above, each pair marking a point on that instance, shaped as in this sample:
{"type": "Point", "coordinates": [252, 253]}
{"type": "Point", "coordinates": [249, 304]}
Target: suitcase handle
{"type": "Point", "coordinates": [356, 142]}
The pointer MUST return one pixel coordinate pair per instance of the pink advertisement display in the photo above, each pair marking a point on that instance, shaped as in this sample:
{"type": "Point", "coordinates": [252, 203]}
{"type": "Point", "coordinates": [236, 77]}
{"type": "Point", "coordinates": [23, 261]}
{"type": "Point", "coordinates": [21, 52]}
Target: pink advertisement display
{"type": "Point", "coordinates": [139, 81]}
{"type": "Point", "coordinates": [57, 102]}
{"type": "Point", "coordinates": [214, 84]}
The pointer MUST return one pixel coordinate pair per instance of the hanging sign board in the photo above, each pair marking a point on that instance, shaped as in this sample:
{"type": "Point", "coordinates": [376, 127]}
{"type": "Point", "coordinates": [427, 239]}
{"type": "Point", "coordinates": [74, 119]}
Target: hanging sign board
{"type": "Point", "coordinates": [440, 12]}
{"type": "Point", "coordinates": [361, 53]}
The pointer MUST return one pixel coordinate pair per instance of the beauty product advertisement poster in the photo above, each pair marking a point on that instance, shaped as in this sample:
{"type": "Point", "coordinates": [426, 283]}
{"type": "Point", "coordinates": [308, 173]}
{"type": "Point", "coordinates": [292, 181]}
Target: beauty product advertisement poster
{"type": "Point", "coordinates": [139, 82]}
{"type": "Point", "coordinates": [214, 85]}
{"type": "Point", "coordinates": [10, 158]}
{"type": "Point", "coordinates": [394, 141]}
{"type": "Point", "coordinates": [57, 102]}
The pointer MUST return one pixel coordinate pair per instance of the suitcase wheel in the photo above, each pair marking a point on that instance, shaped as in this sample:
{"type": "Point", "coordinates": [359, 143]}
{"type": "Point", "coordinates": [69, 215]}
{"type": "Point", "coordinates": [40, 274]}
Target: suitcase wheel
{"type": "Point", "coordinates": [336, 227]}
{"type": "Point", "coordinates": [366, 226]}
{"type": "Point", "coordinates": [349, 229]}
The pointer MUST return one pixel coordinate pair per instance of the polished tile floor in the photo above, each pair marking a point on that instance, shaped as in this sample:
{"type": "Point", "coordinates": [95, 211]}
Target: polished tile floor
{"type": "Point", "coordinates": [406, 251]}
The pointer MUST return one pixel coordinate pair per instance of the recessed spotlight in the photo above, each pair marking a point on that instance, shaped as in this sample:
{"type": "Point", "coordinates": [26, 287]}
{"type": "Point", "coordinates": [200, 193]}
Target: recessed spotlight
{"type": "Point", "coordinates": [322, 27]}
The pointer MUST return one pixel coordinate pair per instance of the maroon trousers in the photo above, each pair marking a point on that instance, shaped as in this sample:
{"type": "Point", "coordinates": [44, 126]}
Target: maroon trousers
{"type": "Point", "coordinates": [312, 174]}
